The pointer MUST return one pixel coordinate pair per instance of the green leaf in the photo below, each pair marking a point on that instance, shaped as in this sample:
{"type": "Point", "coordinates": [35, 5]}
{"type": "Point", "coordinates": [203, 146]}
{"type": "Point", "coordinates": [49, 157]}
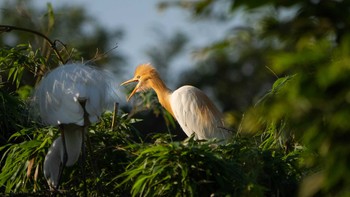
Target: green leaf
{"type": "Point", "coordinates": [51, 17]}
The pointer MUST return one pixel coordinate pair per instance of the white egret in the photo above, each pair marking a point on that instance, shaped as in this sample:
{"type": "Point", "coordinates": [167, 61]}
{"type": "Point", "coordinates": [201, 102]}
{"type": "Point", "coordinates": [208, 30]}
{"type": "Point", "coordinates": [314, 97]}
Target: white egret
{"type": "Point", "coordinates": [194, 111]}
{"type": "Point", "coordinates": [72, 96]}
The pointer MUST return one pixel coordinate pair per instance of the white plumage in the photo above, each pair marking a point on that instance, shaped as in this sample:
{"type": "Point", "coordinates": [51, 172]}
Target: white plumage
{"type": "Point", "coordinates": [54, 157]}
{"type": "Point", "coordinates": [193, 110]}
{"type": "Point", "coordinates": [58, 94]}
{"type": "Point", "coordinates": [58, 98]}
{"type": "Point", "coordinates": [196, 114]}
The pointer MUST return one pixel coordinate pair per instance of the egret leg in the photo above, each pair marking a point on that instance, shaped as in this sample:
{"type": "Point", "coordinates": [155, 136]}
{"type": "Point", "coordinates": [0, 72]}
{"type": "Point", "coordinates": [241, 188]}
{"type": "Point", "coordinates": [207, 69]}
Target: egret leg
{"type": "Point", "coordinates": [65, 157]}
{"type": "Point", "coordinates": [83, 158]}
{"type": "Point", "coordinates": [83, 152]}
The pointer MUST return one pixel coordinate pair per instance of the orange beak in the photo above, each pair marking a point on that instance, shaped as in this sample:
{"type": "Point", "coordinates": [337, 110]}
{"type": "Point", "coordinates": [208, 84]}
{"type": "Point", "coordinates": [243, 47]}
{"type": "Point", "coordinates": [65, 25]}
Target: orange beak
{"type": "Point", "coordinates": [135, 89]}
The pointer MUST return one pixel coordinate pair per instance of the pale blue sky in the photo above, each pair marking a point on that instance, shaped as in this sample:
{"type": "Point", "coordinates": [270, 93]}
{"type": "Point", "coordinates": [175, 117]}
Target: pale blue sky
{"type": "Point", "coordinates": [139, 20]}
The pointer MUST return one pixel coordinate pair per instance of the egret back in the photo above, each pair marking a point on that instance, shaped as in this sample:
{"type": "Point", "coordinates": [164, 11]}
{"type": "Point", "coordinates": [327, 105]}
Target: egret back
{"type": "Point", "coordinates": [58, 94]}
{"type": "Point", "coordinates": [197, 114]}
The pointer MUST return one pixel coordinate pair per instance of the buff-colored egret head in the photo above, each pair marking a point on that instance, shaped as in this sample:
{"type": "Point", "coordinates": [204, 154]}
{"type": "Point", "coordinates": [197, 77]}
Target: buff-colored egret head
{"type": "Point", "coordinates": [144, 75]}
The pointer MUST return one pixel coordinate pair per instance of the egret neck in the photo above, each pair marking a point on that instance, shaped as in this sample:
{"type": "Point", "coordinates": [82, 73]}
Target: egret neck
{"type": "Point", "coordinates": [163, 93]}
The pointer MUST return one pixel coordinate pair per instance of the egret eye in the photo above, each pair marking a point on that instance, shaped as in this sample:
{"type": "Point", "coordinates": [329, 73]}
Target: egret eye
{"type": "Point", "coordinates": [138, 77]}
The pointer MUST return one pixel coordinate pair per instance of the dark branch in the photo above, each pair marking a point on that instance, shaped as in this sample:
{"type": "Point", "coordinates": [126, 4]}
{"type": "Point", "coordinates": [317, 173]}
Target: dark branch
{"type": "Point", "coordinates": [9, 28]}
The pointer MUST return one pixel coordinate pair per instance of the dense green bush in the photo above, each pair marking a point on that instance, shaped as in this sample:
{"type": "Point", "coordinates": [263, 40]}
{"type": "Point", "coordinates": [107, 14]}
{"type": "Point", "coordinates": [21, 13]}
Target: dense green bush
{"type": "Point", "coordinates": [190, 168]}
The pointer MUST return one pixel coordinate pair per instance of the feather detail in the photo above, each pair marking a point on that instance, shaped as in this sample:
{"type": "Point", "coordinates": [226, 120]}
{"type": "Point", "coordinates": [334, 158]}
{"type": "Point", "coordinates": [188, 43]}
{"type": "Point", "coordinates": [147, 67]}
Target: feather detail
{"type": "Point", "coordinates": [58, 94]}
{"type": "Point", "coordinates": [197, 114]}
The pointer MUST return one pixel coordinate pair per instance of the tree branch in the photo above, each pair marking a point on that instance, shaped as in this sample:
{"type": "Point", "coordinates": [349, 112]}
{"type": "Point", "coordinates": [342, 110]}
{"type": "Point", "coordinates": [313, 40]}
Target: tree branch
{"type": "Point", "coordinates": [9, 28]}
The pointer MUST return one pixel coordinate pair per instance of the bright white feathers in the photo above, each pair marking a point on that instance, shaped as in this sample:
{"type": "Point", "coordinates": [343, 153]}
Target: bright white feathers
{"type": "Point", "coordinates": [58, 98]}
{"type": "Point", "coordinates": [58, 94]}
{"type": "Point", "coordinates": [197, 115]}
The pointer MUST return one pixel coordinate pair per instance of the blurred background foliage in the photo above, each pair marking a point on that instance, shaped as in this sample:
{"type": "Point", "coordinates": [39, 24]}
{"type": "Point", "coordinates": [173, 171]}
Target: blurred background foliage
{"type": "Point", "coordinates": [281, 79]}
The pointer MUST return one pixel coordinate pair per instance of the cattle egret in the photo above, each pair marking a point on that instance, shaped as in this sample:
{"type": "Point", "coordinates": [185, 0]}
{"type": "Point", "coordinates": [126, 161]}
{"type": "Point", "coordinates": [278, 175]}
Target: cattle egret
{"type": "Point", "coordinates": [194, 111]}
{"type": "Point", "coordinates": [71, 97]}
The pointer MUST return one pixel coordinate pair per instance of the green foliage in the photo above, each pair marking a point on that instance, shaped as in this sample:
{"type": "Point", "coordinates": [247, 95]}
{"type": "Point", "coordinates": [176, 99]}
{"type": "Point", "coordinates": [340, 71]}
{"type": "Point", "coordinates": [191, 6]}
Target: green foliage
{"type": "Point", "coordinates": [311, 107]}
{"type": "Point", "coordinates": [23, 145]}
{"type": "Point", "coordinates": [11, 115]}
{"type": "Point", "coordinates": [298, 130]}
{"type": "Point", "coordinates": [22, 160]}
{"type": "Point", "coordinates": [106, 157]}
{"type": "Point", "coordinates": [66, 25]}
{"type": "Point", "coordinates": [305, 44]}
{"type": "Point", "coordinates": [192, 168]}
{"type": "Point", "coordinates": [15, 61]}
{"type": "Point", "coordinates": [317, 107]}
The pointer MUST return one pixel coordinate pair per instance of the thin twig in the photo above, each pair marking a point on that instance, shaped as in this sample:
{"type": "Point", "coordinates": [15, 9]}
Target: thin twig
{"type": "Point", "coordinates": [115, 112]}
{"type": "Point", "coordinates": [272, 71]}
{"type": "Point", "coordinates": [65, 49]}
{"type": "Point", "coordinates": [226, 129]}
{"type": "Point", "coordinates": [97, 56]}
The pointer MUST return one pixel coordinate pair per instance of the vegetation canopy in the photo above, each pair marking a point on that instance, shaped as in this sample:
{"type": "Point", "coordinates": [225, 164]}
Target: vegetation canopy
{"type": "Point", "coordinates": [281, 79]}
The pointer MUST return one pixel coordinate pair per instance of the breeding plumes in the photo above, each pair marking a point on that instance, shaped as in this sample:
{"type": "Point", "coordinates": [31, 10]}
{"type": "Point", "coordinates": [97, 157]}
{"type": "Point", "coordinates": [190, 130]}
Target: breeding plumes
{"type": "Point", "coordinates": [72, 96]}
{"type": "Point", "coordinates": [194, 111]}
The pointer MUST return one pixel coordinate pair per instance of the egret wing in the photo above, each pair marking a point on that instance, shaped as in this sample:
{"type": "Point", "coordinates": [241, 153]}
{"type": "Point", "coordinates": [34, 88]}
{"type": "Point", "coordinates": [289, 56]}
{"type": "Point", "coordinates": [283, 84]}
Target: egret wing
{"type": "Point", "coordinates": [197, 114]}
